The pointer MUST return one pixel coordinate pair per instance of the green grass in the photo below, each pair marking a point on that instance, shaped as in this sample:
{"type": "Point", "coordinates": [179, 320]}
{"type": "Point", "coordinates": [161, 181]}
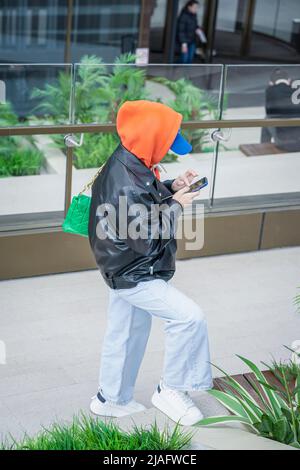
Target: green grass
{"type": "Point", "coordinates": [87, 433]}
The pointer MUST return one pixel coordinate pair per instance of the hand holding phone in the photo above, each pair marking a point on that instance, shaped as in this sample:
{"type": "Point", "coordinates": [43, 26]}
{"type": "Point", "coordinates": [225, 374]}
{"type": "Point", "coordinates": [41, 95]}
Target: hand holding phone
{"type": "Point", "coordinates": [194, 187]}
{"type": "Point", "coordinates": [186, 195]}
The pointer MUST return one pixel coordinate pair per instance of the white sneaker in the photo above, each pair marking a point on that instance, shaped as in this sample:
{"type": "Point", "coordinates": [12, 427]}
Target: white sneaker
{"type": "Point", "coordinates": [176, 405]}
{"type": "Point", "coordinates": [101, 407]}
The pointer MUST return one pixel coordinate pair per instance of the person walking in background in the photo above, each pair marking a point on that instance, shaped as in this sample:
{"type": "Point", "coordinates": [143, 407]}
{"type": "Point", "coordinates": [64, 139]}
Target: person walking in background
{"type": "Point", "coordinates": [187, 31]}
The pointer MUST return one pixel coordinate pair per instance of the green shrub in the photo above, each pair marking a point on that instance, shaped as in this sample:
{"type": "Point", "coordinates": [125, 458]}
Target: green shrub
{"type": "Point", "coordinates": [54, 101]}
{"type": "Point", "coordinates": [95, 151]}
{"type": "Point", "coordinates": [7, 115]}
{"type": "Point", "coordinates": [20, 162]}
{"type": "Point", "coordinates": [275, 414]}
{"type": "Point", "coordinates": [86, 433]}
{"type": "Point", "coordinates": [99, 93]}
{"type": "Point", "coordinates": [18, 156]}
{"type": "Point", "coordinates": [195, 105]}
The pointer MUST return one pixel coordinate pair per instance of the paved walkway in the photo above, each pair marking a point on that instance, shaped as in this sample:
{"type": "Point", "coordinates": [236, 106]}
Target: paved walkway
{"type": "Point", "coordinates": [53, 328]}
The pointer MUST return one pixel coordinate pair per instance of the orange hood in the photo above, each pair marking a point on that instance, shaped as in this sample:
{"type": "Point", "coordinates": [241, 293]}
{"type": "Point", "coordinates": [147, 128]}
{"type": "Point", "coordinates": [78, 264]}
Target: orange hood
{"type": "Point", "coordinates": [147, 129]}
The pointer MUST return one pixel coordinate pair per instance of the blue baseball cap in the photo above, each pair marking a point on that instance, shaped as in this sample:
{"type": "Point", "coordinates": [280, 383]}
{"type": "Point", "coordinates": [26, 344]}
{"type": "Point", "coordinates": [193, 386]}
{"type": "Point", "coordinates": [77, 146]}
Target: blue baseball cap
{"type": "Point", "coordinates": [180, 145]}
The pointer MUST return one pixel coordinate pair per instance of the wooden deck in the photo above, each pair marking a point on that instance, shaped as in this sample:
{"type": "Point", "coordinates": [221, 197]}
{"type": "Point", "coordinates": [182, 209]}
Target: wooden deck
{"type": "Point", "coordinates": [246, 379]}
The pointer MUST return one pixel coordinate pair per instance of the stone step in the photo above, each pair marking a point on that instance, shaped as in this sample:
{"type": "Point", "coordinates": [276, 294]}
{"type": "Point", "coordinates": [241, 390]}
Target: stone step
{"type": "Point", "coordinates": [229, 436]}
{"type": "Point", "coordinates": [218, 437]}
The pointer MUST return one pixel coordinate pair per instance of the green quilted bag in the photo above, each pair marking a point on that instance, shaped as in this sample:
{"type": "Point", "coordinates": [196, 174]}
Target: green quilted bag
{"type": "Point", "coordinates": [77, 218]}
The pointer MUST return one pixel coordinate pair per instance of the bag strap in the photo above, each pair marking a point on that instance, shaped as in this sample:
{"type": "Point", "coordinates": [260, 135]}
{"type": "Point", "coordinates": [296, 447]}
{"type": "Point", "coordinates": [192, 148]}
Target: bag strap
{"type": "Point", "coordinates": [90, 183]}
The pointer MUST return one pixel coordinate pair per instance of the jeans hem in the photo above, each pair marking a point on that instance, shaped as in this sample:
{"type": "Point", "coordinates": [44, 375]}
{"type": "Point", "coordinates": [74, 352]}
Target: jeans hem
{"type": "Point", "coordinates": [114, 400]}
{"type": "Point", "coordinates": [189, 388]}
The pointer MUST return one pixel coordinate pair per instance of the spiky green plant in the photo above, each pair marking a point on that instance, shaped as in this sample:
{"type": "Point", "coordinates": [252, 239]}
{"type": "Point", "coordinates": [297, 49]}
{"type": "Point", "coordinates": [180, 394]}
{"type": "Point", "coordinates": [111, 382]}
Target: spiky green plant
{"type": "Point", "coordinates": [87, 433]}
{"type": "Point", "coordinates": [291, 369]}
{"type": "Point", "coordinates": [275, 413]}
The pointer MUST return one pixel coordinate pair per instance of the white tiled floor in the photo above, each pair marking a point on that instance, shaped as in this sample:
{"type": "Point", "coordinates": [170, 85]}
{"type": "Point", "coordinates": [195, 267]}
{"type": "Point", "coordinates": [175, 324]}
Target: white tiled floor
{"type": "Point", "coordinates": [53, 328]}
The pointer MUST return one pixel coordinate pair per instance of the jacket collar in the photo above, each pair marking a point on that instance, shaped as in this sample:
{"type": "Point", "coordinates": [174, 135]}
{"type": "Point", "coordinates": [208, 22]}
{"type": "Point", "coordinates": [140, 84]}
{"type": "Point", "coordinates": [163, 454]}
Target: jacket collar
{"type": "Point", "coordinates": [135, 165]}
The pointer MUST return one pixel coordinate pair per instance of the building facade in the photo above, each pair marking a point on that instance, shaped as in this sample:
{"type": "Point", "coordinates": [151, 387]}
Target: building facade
{"type": "Point", "coordinates": [65, 30]}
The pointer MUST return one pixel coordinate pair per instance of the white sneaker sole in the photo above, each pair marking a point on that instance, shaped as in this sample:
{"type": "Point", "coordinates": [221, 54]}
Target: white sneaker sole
{"type": "Point", "coordinates": [162, 405]}
{"type": "Point", "coordinates": [110, 411]}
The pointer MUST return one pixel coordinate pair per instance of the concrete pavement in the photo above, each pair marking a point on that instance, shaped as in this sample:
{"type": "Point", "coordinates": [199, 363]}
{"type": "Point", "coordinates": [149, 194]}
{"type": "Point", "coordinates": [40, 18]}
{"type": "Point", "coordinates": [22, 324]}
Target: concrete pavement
{"type": "Point", "coordinates": [53, 328]}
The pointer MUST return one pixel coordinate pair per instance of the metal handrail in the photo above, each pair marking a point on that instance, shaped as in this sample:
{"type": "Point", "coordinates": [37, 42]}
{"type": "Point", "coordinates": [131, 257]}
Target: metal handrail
{"type": "Point", "coordinates": [109, 127]}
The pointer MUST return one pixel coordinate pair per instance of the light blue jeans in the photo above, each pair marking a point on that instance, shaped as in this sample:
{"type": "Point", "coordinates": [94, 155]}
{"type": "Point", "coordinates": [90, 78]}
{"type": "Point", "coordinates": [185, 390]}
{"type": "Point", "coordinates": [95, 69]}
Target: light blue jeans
{"type": "Point", "coordinates": [186, 360]}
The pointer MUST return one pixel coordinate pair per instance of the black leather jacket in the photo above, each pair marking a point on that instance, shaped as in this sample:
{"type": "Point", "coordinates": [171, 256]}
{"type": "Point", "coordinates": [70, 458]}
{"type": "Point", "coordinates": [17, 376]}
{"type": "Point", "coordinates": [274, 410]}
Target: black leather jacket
{"type": "Point", "coordinates": [186, 27]}
{"type": "Point", "coordinates": [124, 261]}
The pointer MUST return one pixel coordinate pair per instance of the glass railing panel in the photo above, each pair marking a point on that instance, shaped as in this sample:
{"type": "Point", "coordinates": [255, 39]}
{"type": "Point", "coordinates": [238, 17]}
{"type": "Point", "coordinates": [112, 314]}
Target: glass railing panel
{"type": "Point", "coordinates": [33, 167]}
{"type": "Point", "coordinates": [32, 182]}
{"type": "Point", "coordinates": [35, 94]}
{"type": "Point", "coordinates": [259, 167]}
{"type": "Point", "coordinates": [249, 91]}
{"type": "Point", "coordinates": [100, 90]}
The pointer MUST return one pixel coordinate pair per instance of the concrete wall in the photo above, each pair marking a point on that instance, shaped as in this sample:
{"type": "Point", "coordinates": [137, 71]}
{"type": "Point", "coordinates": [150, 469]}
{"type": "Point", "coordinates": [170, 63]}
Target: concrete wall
{"type": "Point", "coordinates": [44, 252]}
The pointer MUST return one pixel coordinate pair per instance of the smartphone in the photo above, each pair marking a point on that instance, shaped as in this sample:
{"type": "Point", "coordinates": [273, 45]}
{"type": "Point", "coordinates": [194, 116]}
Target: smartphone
{"type": "Point", "coordinates": [194, 187]}
{"type": "Point", "coordinates": [198, 185]}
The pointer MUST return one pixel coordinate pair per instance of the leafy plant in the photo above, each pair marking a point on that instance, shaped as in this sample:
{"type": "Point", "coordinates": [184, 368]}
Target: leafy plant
{"type": "Point", "coordinates": [290, 368]}
{"type": "Point", "coordinates": [123, 83]}
{"type": "Point", "coordinates": [21, 162]}
{"type": "Point", "coordinates": [275, 413]}
{"type": "Point", "coordinates": [18, 156]}
{"type": "Point", "coordinates": [95, 151]}
{"type": "Point", "coordinates": [7, 115]}
{"type": "Point", "coordinates": [195, 105]}
{"type": "Point", "coordinates": [99, 93]}
{"type": "Point", "coordinates": [86, 433]}
{"type": "Point", "coordinates": [54, 100]}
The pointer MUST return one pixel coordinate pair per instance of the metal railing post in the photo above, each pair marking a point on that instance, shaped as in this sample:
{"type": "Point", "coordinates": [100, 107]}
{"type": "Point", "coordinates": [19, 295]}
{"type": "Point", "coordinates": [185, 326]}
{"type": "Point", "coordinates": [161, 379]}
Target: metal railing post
{"type": "Point", "coordinates": [68, 185]}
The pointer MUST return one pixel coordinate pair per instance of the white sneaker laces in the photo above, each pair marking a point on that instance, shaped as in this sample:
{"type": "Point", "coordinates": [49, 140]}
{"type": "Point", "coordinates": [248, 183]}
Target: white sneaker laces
{"type": "Point", "coordinates": [181, 397]}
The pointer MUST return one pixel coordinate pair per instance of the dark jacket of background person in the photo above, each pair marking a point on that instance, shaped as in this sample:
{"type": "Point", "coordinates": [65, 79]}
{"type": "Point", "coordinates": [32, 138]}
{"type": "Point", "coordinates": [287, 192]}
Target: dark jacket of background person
{"type": "Point", "coordinates": [147, 130]}
{"type": "Point", "coordinates": [278, 103]}
{"type": "Point", "coordinates": [186, 27]}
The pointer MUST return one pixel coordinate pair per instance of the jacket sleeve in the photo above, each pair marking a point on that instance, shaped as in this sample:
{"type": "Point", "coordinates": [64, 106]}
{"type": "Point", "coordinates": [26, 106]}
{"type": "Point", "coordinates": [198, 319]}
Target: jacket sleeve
{"type": "Point", "coordinates": [150, 227]}
{"type": "Point", "coordinates": [181, 29]}
{"type": "Point", "coordinates": [168, 185]}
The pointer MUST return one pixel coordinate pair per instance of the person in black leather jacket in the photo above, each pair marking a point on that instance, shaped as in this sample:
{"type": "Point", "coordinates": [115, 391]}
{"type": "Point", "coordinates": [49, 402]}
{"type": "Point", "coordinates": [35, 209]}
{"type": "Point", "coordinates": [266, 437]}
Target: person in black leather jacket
{"type": "Point", "coordinates": [132, 233]}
